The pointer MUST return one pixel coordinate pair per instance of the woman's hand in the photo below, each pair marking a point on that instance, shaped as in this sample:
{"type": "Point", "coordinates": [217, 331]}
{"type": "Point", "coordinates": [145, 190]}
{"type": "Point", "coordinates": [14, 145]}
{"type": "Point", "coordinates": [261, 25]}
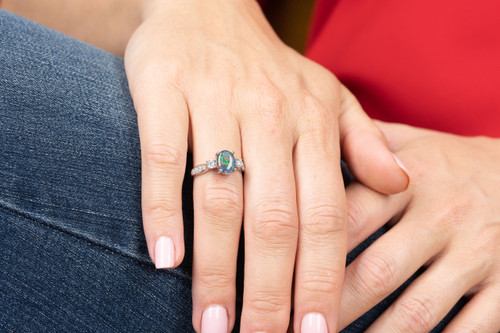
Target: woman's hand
{"type": "Point", "coordinates": [448, 220]}
{"type": "Point", "coordinates": [211, 75]}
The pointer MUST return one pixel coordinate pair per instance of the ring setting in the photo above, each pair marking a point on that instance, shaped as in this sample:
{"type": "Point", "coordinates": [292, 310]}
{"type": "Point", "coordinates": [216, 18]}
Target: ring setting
{"type": "Point", "coordinates": [224, 162]}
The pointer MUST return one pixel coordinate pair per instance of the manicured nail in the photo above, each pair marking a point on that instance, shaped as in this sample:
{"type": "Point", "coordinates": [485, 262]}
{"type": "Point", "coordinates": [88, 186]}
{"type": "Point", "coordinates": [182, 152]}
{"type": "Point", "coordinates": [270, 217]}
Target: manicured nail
{"type": "Point", "coordinates": [400, 164]}
{"type": "Point", "coordinates": [313, 323]}
{"type": "Point", "coordinates": [164, 253]}
{"type": "Point", "coordinates": [214, 320]}
{"type": "Point", "coordinates": [405, 170]}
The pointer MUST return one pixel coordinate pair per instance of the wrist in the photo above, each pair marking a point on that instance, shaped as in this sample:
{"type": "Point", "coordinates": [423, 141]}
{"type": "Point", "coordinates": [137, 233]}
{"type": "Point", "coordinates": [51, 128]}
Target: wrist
{"type": "Point", "coordinates": [149, 7]}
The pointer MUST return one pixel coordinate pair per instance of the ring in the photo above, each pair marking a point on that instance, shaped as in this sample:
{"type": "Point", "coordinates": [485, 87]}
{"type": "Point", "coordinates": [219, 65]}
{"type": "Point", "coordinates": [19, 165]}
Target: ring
{"type": "Point", "coordinates": [224, 162]}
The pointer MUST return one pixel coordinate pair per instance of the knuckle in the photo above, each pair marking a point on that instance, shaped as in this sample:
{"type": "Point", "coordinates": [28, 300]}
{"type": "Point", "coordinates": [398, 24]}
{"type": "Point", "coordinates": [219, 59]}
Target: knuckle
{"type": "Point", "coordinates": [272, 100]}
{"type": "Point", "coordinates": [269, 108]}
{"type": "Point", "coordinates": [215, 278]}
{"type": "Point", "coordinates": [318, 135]}
{"type": "Point", "coordinates": [275, 223]}
{"type": "Point", "coordinates": [453, 215]}
{"type": "Point", "coordinates": [484, 249]}
{"type": "Point", "coordinates": [322, 281]}
{"type": "Point", "coordinates": [270, 97]}
{"type": "Point", "coordinates": [317, 125]}
{"type": "Point", "coordinates": [319, 114]}
{"type": "Point", "coordinates": [159, 72]}
{"type": "Point", "coordinates": [159, 211]}
{"type": "Point", "coordinates": [155, 74]}
{"type": "Point", "coordinates": [415, 314]}
{"type": "Point", "coordinates": [356, 217]}
{"type": "Point", "coordinates": [316, 105]}
{"type": "Point", "coordinates": [376, 274]}
{"type": "Point", "coordinates": [164, 156]}
{"type": "Point", "coordinates": [324, 219]}
{"type": "Point", "coordinates": [268, 303]}
{"type": "Point", "coordinates": [221, 199]}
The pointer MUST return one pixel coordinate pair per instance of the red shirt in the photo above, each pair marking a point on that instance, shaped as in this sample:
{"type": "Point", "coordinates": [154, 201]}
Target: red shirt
{"type": "Point", "coordinates": [427, 63]}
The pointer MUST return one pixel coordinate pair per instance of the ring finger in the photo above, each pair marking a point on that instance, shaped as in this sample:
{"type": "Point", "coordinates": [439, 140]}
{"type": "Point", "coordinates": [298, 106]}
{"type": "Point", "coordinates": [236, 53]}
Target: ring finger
{"type": "Point", "coordinates": [218, 211]}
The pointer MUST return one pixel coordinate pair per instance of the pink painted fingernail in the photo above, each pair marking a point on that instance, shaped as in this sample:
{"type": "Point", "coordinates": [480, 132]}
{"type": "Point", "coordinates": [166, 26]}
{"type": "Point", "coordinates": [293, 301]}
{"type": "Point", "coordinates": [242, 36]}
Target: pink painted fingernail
{"type": "Point", "coordinates": [313, 323]}
{"type": "Point", "coordinates": [214, 320]}
{"type": "Point", "coordinates": [164, 252]}
{"type": "Point", "coordinates": [400, 164]}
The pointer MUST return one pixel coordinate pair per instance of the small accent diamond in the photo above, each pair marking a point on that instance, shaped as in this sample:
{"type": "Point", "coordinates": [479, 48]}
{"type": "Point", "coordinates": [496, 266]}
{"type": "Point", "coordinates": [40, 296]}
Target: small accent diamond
{"type": "Point", "coordinates": [212, 164]}
{"type": "Point", "coordinates": [239, 163]}
{"type": "Point", "coordinates": [198, 169]}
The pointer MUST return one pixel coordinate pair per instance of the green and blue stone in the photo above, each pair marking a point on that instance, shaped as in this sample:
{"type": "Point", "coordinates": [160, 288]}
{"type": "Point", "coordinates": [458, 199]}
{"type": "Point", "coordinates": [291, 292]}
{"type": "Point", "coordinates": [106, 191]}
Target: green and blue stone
{"type": "Point", "coordinates": [225, 162]}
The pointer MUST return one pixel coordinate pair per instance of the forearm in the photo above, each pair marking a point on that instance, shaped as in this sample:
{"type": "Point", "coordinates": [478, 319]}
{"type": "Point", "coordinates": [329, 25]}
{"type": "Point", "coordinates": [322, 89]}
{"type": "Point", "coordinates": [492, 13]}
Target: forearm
{"type": "Point", "coordinates": [107, 24]}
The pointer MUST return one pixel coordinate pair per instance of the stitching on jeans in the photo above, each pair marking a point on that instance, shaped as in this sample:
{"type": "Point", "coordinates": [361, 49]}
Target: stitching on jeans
{"type": "Point", "coordinates": [90, 241]}
{"type": "Point", "coordinates": [68, 208]}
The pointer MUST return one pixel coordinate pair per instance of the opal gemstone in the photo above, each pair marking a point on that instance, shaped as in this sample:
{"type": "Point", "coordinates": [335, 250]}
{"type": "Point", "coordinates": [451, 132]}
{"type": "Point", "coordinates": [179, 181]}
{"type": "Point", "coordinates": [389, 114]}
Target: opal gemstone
{"type": "Point", "coordinates": [225, 162]}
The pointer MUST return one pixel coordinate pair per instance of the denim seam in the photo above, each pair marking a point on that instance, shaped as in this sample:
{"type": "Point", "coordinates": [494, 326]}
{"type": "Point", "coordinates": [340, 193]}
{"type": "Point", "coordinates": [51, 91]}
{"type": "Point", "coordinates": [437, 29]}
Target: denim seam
{"type": "Point", "coordinates": [130, 192]}
{"type": "Point", "coordinates": [89, 212]}
{"type": "Point", "coordinates": [141, 262]}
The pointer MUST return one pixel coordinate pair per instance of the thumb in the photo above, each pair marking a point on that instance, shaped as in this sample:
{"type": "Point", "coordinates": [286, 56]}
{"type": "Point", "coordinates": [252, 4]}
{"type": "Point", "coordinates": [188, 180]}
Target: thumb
{"type": "Point", "coordinates": [365, 149]}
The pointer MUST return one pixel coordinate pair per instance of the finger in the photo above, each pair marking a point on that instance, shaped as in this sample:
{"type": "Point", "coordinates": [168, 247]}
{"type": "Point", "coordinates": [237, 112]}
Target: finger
{"type": "Point", "coordinates": [368, 210]}
{"type": "Point", "coordinates": [365, 149]}
{"type": "Point", "coordinates": [480, 314]}
{"type": "Point", "coordinates": [270, 222]}
{"type": "Point", "coordinates": [429, 298]}
{"type": "Point", "coordinates": [163, 128]}
{"type": "Point", "coordinates": [218, 213]}
{"type": "Point", "coordinates": [321, 249]}
{"type": "Point", "coordinates": [385, 265]}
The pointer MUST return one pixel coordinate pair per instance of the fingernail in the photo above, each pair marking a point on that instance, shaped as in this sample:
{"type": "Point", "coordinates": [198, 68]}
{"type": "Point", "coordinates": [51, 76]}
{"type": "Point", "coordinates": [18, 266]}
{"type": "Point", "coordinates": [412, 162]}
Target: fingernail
{"type": "Point", "coordinates": [214, 320]}
{"type": "Point", "coordinates": [405, 170]}
{"type": "Point", "coordinates": [400, 164]}
{"type": "Point", "coordinates": [313, 323]}
{"type": "Point", "coordinates": [164, 253]}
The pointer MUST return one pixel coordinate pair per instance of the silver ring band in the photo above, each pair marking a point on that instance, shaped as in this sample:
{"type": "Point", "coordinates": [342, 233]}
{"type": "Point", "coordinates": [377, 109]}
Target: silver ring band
{"type": "Point", "coordinates": [225, 163]}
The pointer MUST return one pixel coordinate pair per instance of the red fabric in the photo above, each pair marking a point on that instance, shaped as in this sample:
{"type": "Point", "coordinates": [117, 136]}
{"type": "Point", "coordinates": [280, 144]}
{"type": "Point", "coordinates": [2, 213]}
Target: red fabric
{"type": "Point", "coordinates": [427, 63]}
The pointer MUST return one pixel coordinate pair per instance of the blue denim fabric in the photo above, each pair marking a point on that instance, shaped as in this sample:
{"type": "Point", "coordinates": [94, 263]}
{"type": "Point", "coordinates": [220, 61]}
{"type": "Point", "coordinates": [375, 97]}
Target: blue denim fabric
{"type": "Point", "coordinates": [73, 254]}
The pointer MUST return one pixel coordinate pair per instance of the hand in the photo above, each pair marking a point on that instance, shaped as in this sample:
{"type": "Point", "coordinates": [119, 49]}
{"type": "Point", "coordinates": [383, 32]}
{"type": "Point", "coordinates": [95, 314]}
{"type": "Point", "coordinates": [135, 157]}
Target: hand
{"type": "Point", "coordinates": [448, 220]}
{"type": "Point", "coordinates": [211, 75]}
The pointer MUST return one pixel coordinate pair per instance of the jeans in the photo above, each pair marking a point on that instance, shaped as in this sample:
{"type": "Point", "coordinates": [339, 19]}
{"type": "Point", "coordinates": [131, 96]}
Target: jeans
{"type": "Point", "coordinates": [73, 253]}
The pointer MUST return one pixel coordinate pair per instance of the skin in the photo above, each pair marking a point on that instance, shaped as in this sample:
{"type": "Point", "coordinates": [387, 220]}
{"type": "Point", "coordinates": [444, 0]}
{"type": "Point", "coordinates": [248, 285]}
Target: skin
{"type": "Point", "coordinates": [212, 74]}
{"type": "Point", "coordinates": [447, 220]}
{"type": "Point", "coordinates": [107, 24]}
{"type": "Point", "coordinates": [191, 71]}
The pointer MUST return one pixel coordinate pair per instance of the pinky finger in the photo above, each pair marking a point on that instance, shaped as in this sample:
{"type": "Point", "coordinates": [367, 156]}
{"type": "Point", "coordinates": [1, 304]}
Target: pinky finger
{"type": "Point", "coordinates": [479, 315]}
